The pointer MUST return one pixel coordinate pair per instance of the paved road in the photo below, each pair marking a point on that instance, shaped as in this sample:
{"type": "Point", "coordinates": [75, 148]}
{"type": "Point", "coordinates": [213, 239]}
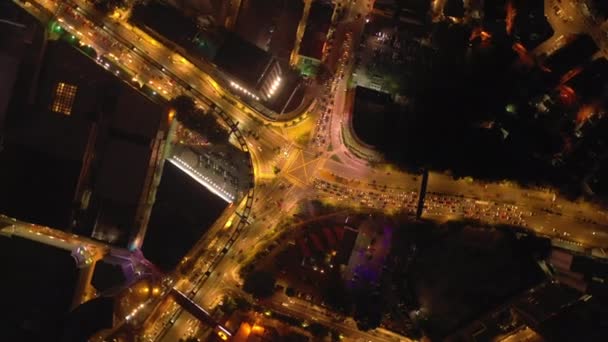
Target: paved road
{"type": "Point", "coordinates": [581, 223]}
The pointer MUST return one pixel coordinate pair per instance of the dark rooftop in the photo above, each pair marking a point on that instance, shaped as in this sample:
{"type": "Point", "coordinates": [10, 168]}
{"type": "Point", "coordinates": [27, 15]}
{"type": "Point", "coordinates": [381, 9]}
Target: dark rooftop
{"type": "Point", "coordinates": [531, 26]}
{"type": "Point", "coordinates": [577, 52]}
{"type": "Point", "coordinates": [166, 20]}
{"type": "Point", "coordinates": [454, 8]}
{"type": "Point", "coordinates": [581, 321]}
{"type": "Point", "coordinates": [270, 25]}
{"type": "Point", "coordinates": [36, 291]}
{"type": "Point", "coordinates": [181, 214]}
{"type": "Point", "coordinates": [45, 147]}
{"type": "Point", "coordinates": [591, 82]}
{"type": "Point", "coordinates": [107, 276]}
{"type": "Point", "coordinates": [317, 26]}
{"type": "Point", "coordinates": [600, 8]}
{"type": "Point", "coordinates": [369, 113]}
{"type": "Point", "coordinates": [241, 59]}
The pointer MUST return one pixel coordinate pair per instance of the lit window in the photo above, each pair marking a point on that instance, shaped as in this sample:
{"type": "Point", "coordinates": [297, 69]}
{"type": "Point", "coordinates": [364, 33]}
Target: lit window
{"type": "Point", "coordinates": [64, 98]}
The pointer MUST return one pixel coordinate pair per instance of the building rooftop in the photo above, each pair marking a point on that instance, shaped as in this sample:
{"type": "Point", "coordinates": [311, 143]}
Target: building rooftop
{"type": "Point", "coordinates": [270, 25]}
{"type": "Point", "coordinates": [243, 60]}
{"type": "Point", "coordinates": [575, 53]}
{"type": "Point", "coordinates": [531, 27]}
{"type": "Point", "coordinates": [166, 20]}
{"type": "Point", "coordinates": [79, 111]}
{"type": "Point", "coordinates": [454, 8]}
{"type": "Point", "coordinates": [581, 320]}
{"type": "Point", "coordinates": [317, 27]}
{"type": "Point", "coordinates": [39, 294]}
{"type": "Point", "coordinates": [591, 82]}
{"type": "Point", "coordinates": [177, 220]}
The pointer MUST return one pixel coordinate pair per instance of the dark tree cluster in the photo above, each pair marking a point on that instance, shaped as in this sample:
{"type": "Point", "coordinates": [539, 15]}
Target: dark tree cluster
{"type": "Point", "coordinates": [109, 6]}
{"type": "Point", "coordinates": [260, 284]}
{"type": "Point", "coordinates": [197, 120]}
{"type": "Point", "coordinates": [471, 114]}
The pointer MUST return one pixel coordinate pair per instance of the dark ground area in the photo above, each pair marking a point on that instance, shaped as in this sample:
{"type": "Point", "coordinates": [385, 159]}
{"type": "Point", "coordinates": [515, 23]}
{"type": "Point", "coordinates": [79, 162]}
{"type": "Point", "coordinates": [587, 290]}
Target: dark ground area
{"type": "Point", "coordinates": [369, 117]}
{"type": "Point", "coordinates": [472, 114]}
{"type": "Point", "coordinates": [183, 211]}
{"type": "Point", "coordinates": [467, 272]}
{"type": "Point", "coordinates": [36, 290]}
{"type": "Point", "coordinates": [445, 275]}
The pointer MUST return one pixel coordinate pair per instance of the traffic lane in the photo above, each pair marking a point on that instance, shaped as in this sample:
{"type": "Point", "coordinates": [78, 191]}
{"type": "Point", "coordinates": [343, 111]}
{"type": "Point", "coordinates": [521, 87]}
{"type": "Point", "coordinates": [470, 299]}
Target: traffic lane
{"type": "Point", "coordinates": [310, 313]}
{"type": "Point", "coordinates": [507, 192]}
{"type": "Point", "coordinates": [349, 331]}
{"type": "Point", "coordinates": [184, 70]}
{"type": "Point", "coordinates": [178, 328]}
{"type": "Point", "coordinates": [165, 57]}
{"type": "Point", "coordinates": [545, 224]}
{"type": "Point", "coordinates": [366, 175]}
{"type": "Point", "coordinates": [569, 229]}
{"type": "Point", "coordinates": [205, 258]}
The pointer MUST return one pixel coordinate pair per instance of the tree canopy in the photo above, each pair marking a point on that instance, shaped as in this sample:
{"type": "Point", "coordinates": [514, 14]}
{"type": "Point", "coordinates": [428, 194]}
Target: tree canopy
{"type": "Point", "coordinates": [260, 284]}
{"type": "Point", "coordinates": [197, 120]}
{"type": "Point", "coordinates": [109, 6]}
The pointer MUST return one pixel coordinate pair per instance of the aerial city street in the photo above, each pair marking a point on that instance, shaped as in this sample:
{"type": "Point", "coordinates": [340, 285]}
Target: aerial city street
{"type": "Point", "coordinates": [304, 170]}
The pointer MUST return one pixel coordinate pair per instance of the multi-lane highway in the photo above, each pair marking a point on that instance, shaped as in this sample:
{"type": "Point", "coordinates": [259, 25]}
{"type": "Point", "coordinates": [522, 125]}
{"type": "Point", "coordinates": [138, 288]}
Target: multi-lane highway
{"type": "Point", "coordinates": [330, 170]}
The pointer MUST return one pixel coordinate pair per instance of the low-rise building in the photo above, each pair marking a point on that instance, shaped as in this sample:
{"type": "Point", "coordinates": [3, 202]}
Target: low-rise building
{"type": "Point", "coordinates": [313, 43]}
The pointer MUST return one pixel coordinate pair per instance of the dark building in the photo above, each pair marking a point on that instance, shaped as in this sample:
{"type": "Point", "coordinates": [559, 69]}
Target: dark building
{"type": "Point", "coordinates": [577, 52]}
{"type": "Point", "coordinates": [255, 72]}
{"type": "Point", "coordinates": [494, 16]}
{"type": "Point", "coordinates": [454, 8]}
{"type": "Point", "coordinates": [271, 25]}
{"type": "Point", "coordinates": [369, 114]}
{"type": "Point", "coordinates": [591, 82]}
{"type": "Point", "coordinates": [37, 291]}
{"type": "Point", "coordinates": [599, 8]}
{"type": "Point", "coordinates": [166, 21]}
{"type": "Point", "coordinates": [255, 75]}
{"type": "Point", "coordinates": [390, 13]}
{"type": "Point", "coordinates": [385, 8]}
{"type": "Point", "coordinates": [182, 213]}
{"type": "Point", "coordinates": [581, 320]}
{"type": "Point", "coordinates": [81, 146]}
{"type": "Point", "coordinates": [220, 11]}
{"type": "Point", "coordinates": [317, 27]}
{"type": "Point", "coordinates": [20, 42]}
{"type": "Point", "coordinates": [530, 26]}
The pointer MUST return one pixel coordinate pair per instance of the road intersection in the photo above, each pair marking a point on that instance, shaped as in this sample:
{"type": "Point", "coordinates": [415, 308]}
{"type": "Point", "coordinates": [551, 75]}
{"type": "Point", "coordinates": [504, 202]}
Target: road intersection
{"type": "Point", "coordinates": [287, 171]}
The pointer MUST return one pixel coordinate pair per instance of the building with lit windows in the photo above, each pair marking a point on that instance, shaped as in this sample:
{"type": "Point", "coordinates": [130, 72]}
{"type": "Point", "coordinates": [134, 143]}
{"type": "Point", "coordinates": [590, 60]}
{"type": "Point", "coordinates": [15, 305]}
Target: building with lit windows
{"type": "Point", "coordinates": [254, 75]}
{"type": "Point", "coordinates": [64, 98]}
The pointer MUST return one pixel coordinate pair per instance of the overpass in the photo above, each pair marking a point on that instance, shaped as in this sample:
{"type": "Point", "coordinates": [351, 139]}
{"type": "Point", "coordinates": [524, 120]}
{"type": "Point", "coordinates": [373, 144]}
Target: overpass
{"type": "Point", "coordinates": [200, 313]}
{"type": "Point", "coordinates": [84, 250]}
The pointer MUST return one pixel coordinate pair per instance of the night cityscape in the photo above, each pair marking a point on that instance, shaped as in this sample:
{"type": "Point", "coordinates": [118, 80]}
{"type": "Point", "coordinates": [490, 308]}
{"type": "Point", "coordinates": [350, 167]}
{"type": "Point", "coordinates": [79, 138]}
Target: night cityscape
{"type": "Point", "coordinates": [304, 170]}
